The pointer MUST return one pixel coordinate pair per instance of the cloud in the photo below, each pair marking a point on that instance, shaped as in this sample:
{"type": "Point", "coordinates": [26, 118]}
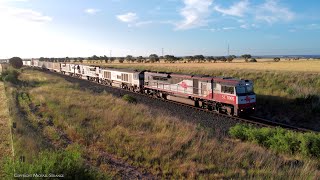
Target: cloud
{"type": "Point", "coordinates": [128, 17]}
{"type": "Point", "coordinates": [143, 23]}
{"type": "Point", "coordinates": [195, 13]}
{"type": "Point", "coordinates": [221, 29]}
{"type": "Point", "coordinates": [91, 11]}
{"type": "Point", "coordinates": [272, 12]}
{"type": "Point", "coordinates": [237, 9]}
{"type": "Point", "coordinates": [24, 14]}
{"type": "Point", "coordinates": [248, 26]}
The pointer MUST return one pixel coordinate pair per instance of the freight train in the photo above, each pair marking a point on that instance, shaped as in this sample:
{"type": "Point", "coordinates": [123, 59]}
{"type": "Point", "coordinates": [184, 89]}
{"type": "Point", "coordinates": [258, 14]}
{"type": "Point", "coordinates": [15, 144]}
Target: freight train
{"type": "Point", "coordinates": [226, 95]}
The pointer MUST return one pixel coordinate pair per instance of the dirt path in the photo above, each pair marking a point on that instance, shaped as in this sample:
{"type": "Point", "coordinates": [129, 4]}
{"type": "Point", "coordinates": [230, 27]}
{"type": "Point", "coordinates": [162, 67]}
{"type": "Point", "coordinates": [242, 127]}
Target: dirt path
{"type": "Point", "coordinates": [5, 133]}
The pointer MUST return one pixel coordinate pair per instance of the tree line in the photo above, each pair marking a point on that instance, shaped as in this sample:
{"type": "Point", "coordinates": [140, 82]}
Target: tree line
{"type": "Point", "coordinates": [153, 58]}
{"type": "Point", "coordinates": [141, 59]}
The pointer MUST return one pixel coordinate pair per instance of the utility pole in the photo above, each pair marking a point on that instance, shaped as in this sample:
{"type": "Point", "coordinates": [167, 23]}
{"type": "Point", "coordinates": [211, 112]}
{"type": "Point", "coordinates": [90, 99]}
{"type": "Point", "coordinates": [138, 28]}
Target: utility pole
{"type": "Point", "coordinates": [110, 52]}
{"type": "Point", "coordinates": [228, 50]}
{"type": "Point", "coordinates": [162, 52]}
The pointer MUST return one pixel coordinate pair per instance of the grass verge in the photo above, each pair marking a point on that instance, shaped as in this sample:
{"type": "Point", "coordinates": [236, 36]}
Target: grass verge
{"type": "Point", "coordinates": [5, 133]}
{"type": "Point", "coordinates": [280, 140]}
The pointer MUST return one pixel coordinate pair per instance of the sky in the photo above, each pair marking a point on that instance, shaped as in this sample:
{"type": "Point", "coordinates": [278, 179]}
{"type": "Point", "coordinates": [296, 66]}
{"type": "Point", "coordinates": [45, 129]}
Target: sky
{"type": "Point", "coordinates": [81, 28]}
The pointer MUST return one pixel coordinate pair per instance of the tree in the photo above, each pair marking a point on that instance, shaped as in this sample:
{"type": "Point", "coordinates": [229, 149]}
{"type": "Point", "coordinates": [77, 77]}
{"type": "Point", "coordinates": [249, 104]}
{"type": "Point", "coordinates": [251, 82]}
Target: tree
{"type": "Point", "coordinates": [222, 58]}
{"type": "Point", "coordinates": [121, 59]}
{"type": "Point", "coordinates": [16, 62]}
{"type": "Point", "coordinates": [95, 57]}
{"type": "Point", "coordinates": [129, 58]}
{"type": "Point", "coordinates": [105, 58]}
{"type": "Point", "coordinates": [211, 58]}
{"type": "Point", "coordinates": [199, 58]}
{"type": "Point", "coordinates": [153, 58]}
{"type": "Point", "coordinates": [231, 58]}
{"type": "Point", "coordinates": [246, 57]}
{"type": "Point", "coordinates": [169, 58]}
{"type": "Point", "coordinates": [112, 59]}
{"type": "Point", "coordinates": [277, 59]}
{"type": "Point", "coordinates": [140, 59]}
{"type": "Point", "coordinates": [189, 58]}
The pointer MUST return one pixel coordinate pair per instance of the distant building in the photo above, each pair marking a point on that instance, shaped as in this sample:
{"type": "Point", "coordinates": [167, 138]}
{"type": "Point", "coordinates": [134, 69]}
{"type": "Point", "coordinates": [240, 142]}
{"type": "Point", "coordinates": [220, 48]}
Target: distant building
{"type": "Point", "coordinates": [4, 61]}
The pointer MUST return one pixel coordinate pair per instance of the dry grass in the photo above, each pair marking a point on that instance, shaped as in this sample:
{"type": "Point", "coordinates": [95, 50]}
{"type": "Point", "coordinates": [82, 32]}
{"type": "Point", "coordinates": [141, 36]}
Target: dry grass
{"type": "Point", "coordinates": [158, 143]}
{"type": "Point", "coordinates": [312, 66]}
{"type": "Point", "coordinates": [5, 139]}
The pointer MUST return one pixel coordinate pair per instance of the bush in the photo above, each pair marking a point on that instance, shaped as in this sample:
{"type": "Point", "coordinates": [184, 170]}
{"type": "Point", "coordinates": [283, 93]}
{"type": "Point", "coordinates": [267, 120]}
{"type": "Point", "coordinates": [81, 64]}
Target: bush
{"type": "Point", "coordinates": [10, 76]}
{"type": "Point", "coordinates": [253, 60]}
{"type": "Point", "coordinates": [276, 59]}
{"type": "Point", "coordinates": [129, 98]}
{"type": "Point", "coordinates": [279, 139]}
{"type": "Point", "coordinates": [310, 145]}
{"type": "Point", "coordinates": [67, 163]}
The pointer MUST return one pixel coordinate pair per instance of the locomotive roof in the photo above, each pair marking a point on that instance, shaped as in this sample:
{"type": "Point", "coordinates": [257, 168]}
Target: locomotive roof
{"type": "Point", "coordinates": [121, 69]}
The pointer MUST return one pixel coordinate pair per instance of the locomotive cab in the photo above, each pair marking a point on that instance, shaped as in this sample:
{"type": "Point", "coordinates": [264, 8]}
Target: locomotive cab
{"type": "Point", "coordinates": [246, 98]}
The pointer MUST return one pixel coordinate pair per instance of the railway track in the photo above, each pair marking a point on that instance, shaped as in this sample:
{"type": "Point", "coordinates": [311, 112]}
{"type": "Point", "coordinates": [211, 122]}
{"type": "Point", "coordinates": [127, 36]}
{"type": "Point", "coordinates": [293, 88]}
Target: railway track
{"type": "Point", "coordinates": [250, 119]}
{"type": "Point", "coordinates": [256, 121]}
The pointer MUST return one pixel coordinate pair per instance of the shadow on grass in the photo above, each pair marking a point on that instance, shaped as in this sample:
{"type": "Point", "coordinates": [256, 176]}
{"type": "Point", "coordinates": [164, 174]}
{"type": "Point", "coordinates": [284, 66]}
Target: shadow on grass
{"type": "Point", "coordinates": [302, 111]}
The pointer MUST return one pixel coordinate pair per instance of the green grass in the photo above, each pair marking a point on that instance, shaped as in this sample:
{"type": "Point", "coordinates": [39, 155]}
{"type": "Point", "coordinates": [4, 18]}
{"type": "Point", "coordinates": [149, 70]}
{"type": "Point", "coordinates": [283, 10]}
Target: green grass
{"type": "Point", "coordinates": [67, 164]}
{"type": "Point", "coordinates": [157, 143]}
{"type": "Point", "coordinates": [280, 140]}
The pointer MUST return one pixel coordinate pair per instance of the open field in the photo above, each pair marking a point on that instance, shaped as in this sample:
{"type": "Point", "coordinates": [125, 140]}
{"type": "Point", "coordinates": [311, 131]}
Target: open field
{"type": "Point", "coordinates": [312, 66]}
{"type": "Point", "coordinates": [5, 139]}
{"type": "Point", "coordinates": [102, 125]}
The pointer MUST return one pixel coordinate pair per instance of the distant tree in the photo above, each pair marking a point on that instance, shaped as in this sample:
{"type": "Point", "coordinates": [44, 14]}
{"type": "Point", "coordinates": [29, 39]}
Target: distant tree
{"type": "Point", "coordinates": [95, 57]}
{"type": "Point", "coordinates": [140, 59]}
{"type": "Point", "coordinates": [246, 57]}
{"type": "Point", "coordinates": [210, 59]}
{"type": "Point", "coordinates": [189, 58]}
{"type": "Point", "coordinates": [16, 62]}
{"type": "Point", "coordinates": [112, 59]}
{"type": "Point", "coordinates": [170, 58]}
{"type": "Point", "coordinates": [253, 60]}
{"type": "Point", "coordinates": [199, 58]}
{"type": "Point", "coordinates": [277, 59]}
{"type": "Point", "coordinates": [105, 58]}
{"type": "Point", "coordinates": [121, 59]}
{"type": "Point", "coordinates": [41, 59]}
{"type": "Point", "coordinates": [129, 58]}
{"type": "Point", "coordinates": [231, 58]}
{"type": "Point", "coordinates": [154, 58]}
{"type": "Point", "coordinates": [222, 58]}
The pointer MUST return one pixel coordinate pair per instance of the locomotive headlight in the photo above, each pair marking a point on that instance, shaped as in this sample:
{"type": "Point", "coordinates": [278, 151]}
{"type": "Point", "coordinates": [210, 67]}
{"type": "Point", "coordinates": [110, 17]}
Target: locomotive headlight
{"type": "Point", "coordinates": [253, 108]}
{"type": "Point", "coordinates": [241, 110]}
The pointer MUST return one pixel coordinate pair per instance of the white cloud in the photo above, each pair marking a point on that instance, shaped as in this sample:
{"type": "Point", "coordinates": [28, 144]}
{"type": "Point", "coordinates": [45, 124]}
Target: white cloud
{"type": "Point", "coordinates": [272, 12]}
{"type": "Point", "coordinates": [248, 26]}
{"type": "Point", "coordinates": [237, 9]}
{"type": "Point", "coordinates": [128, 17]}
{"type": "Point", "coordinates": [228, 28]}
{"type": "Point", "coordinates": [23, 14]}
{"type": "Point", "coordinates": [91, 11]}
{"type": "Point", "coordinates": [221, 29]}
{"type": "Point", "coordinates": [143, 23]}
{"type": "Point", "coordinates": [195, 13]}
